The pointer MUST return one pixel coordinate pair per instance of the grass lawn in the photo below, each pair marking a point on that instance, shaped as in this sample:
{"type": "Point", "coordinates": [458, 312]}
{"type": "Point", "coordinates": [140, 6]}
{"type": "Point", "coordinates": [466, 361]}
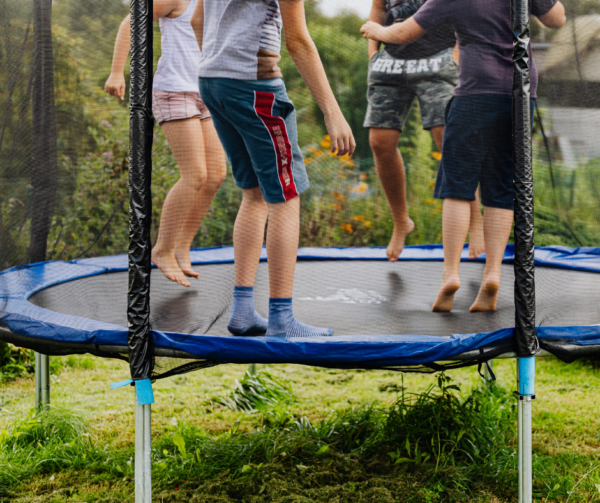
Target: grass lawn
{"type": "Point", "coordinates": [329, 445]}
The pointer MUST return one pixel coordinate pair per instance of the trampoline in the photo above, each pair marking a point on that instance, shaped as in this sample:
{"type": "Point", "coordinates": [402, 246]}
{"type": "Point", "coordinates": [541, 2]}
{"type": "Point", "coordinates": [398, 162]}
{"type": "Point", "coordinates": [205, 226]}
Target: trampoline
{"type": "Point", "coordinates": [118, 306]}
{"type": "Point", "coordinates": [380, 311]}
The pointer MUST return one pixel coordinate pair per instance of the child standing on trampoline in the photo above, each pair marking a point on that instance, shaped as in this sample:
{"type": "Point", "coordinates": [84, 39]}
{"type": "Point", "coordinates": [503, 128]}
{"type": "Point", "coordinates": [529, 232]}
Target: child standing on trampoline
{"type": "Point", "coordinates": [242, 86]}
{"type": "Point", "coordinates": [188, 128]}
{"type": "Point", "coordinates": [425, 70]}
{"type": "Point", "coordinates": [477, 145]}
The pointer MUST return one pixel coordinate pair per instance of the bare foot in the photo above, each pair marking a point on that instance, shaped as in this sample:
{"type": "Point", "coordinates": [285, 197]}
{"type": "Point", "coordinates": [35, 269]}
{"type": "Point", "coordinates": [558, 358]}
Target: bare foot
{"type": "Point", "coordinates": [401, 232]}
{"type": "Point", "coordinates": [183, 259]}
{"type": "Point", "coordinates": [488, 295]}
{"type": "Point", "coordinates": [476, 243]}
{"type": "Point", "coordinates": [169, 267]}
{"type": "Point", "coordinates": [445, 297]}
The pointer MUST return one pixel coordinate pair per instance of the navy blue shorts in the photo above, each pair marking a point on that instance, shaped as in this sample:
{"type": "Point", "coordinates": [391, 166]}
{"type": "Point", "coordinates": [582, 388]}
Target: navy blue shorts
{"type": "Point", "coordinates": [256, 123]}
{"type": "Point", "coordinates": [477, 150]}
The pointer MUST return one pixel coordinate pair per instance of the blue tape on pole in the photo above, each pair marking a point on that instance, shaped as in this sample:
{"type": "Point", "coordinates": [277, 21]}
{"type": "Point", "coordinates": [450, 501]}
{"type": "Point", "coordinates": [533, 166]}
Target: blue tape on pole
{"type": "Point", "coordinates": [122, 384]}
{"type": "Point", "coordinates": [143, 390]}
{"type": "Point", "coordinates": [527, 376]}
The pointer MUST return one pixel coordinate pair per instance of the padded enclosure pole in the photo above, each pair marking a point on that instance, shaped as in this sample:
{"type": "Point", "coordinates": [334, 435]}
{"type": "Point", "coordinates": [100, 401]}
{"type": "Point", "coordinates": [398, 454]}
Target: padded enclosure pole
{"type": "Point", "coordinates": [526, 341]}
{"type": "Point", "coordinates": [140, 204]}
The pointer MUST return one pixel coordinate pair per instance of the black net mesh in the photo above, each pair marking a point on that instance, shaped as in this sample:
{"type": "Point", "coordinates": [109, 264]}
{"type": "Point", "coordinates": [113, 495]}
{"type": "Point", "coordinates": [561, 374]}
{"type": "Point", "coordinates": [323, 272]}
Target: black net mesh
{"type": "Point", "coordinates": [64, 168]}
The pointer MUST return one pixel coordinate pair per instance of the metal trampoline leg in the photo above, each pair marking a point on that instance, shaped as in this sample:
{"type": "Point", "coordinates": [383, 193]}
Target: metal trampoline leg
{"type": "Point", "coordinates": [143, 453]}
{"type": "Point", "coordinates": [527, 477]}
{"type": "Point", "coordinates": [525, 396]}
{"type": "Point", "coordinates": [252, 369]}
{"type": "Point", "coordinates": [486, 371]}
{"type": "Point", "coordinates": [42, 381]}
{"type": "Point", "coordinates": [520, 452]}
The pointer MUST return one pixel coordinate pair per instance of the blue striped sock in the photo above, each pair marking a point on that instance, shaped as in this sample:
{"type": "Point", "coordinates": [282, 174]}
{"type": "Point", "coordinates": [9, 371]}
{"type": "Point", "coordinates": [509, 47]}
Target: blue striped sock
{"type": "Point", "coordinates": [283, 324]}
{"type": "Point", "coordinates": [244, 319]}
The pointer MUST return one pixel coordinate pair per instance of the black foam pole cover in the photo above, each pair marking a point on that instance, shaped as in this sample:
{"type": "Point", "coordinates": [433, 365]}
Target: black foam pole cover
{"type": "Point", "coordinates": [141, 124]}
{"type": "Point", "coordinates": [526, 341]}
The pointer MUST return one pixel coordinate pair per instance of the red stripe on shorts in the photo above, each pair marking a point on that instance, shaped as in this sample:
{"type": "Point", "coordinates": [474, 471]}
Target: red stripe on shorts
{"type": "Point", "coordinates": [263, 105]}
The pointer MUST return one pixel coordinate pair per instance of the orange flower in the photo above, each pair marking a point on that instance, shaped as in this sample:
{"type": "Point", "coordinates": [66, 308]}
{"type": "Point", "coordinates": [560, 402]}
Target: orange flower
{"type": "Point", "coordinates": [363, 176]}
{"type": "Point", "coordinates": [326, 144]}
{"type": "Point", "coordinates": [360, 188]}
{"type": "Point", "coordinates": [367, 224]}
{"type": "Point", "coordinates": [358, 218]}
{"type": "Point", "coordinates": [337, 195]}
{"type": "Point", "coordinates": [337, 207]}
{"type": "Point", "coordinates": [318, 153]}
{"type": "Point", "coordinates": [436, 155]}
{"type": "Point", "coordinates": [430, 201]}
{"type": "Point", "coordinates": [348, 228]}
{"type": "Point", "coordinates": [307, 161]}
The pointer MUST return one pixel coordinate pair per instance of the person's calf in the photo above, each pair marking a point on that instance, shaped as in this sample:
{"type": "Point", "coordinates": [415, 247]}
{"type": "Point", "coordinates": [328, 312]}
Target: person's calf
{"type": "Point", "coordinates": [282, 246]}
{"type": "Point", "coordinates": [248, 235]}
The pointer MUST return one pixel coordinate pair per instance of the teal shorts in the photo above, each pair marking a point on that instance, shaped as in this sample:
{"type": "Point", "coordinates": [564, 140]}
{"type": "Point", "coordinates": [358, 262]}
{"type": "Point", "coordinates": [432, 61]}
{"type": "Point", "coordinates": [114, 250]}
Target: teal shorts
{"type": "Point", "coordinates": [256, 123]}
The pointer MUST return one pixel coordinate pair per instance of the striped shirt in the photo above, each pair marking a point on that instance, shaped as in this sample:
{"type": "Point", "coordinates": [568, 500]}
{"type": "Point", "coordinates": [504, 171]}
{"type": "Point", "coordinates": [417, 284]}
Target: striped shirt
{"type": "Point", "coordinates": [241, 40]}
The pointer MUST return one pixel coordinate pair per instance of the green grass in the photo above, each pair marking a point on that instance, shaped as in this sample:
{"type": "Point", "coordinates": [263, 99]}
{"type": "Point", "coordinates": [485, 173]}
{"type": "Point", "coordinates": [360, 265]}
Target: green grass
{"type": "Point", "coordinates": [349, 436]}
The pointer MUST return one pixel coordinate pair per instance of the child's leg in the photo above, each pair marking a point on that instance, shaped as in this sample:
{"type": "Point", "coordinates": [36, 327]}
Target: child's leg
{"type": "Point", "coordinates": [248, 239]}
{"type": "Point", "coordinates": [282, 249]}
{"type": "Point", "coordinates": [185, 140]}
{"type": "Point", "coordinates": [249, 236]}
{"type": "Point", "coordinates": [497, 226]}
{"type": "Point", "coordinates": [282, 246]}
{"type": "Point", "coordinates": [390, 169]}
{"type": "Point", "coordinates": [476, 236]}
{"type": "Point", "coordinates": [216, 172]}
{"type": "Point", "coordinates": [476, 240]}
{"type": "Point", "coordinates": [455, 225]}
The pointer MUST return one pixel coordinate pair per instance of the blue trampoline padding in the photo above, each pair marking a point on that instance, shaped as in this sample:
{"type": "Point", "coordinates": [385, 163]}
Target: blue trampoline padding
{"type": "Point", "coordinates": [22, 317]}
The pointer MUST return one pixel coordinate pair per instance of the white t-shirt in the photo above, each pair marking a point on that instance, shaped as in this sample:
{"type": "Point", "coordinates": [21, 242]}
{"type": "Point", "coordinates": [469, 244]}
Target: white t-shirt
{"type": "Point", "coordinates": [178, 63]}
{"type": "Point", "coordinates": [241, 40]}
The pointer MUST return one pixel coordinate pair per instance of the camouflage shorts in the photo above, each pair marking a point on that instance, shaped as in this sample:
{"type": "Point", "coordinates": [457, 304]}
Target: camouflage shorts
{"type": "Point", "coordinates": [395, 83]}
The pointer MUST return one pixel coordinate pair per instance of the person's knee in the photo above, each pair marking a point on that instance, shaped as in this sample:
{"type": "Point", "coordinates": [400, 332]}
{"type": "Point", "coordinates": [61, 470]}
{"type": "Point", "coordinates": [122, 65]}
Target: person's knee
{"type": "Point", "coordinates": [383, 142]}
{"type": "Point", "coordinates": [195, 181]}
{"type": "Point", "coordinates": [216, 177]}
{"type": "Point", "coordinates": [254, 197]}
{"type": "Point", "coordinates": [291, 207]}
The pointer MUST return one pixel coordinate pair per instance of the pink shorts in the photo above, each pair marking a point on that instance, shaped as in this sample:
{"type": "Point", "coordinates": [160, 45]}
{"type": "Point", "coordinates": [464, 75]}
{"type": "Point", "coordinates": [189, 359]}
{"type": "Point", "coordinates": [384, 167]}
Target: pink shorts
{"type": "Point", "coordinates": [171, 106]}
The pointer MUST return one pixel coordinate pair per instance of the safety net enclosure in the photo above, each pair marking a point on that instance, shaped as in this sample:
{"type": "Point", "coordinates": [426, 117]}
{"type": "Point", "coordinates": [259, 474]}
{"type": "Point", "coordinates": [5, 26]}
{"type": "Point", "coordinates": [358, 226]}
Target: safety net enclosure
{"type": "Point", "coordinates": [93, 192]}
{"type": "Point", "coordinates": [66, 161]}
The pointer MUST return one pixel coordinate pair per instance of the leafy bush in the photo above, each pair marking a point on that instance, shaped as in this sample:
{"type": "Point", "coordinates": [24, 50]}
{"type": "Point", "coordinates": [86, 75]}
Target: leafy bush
{"type": "Point", "coordinates": [258, 391]}
{"type": "Point", "coordinates": [14, 362]}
